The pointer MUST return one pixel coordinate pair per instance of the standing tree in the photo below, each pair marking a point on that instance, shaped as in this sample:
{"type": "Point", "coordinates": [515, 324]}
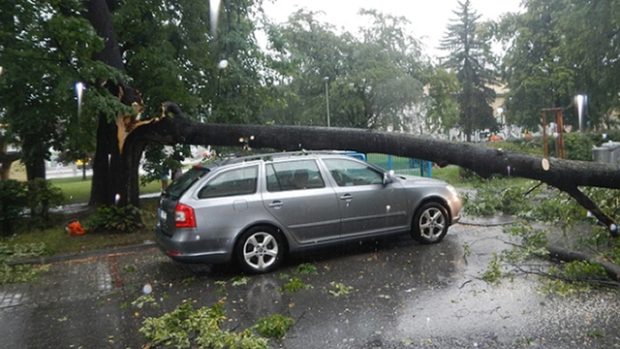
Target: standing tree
{"type": "Point", "coordinates": [45, 48]}
{"type": "Point", "coordinates": [536, 78]}
{"type": "Point", "coordinates": [373, 79]}
{"type": "Point", "coordinates": [560, 48]}
{"type": "Point", "coordinates": [469, 56]}
{"type": "Point", "coordinates": [442, 106]}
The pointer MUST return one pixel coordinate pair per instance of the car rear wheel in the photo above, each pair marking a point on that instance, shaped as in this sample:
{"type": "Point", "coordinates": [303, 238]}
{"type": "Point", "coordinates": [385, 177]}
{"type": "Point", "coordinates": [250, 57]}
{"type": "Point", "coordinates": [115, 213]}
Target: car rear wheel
{"type": "Point", "coordinates": [430, 223]}
{"type": "Point", "coordinates": [260, 250]}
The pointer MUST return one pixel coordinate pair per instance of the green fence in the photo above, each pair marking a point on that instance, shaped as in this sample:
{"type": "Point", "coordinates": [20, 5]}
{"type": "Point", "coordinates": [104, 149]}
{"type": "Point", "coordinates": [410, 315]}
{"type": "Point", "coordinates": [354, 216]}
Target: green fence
{"type": "Point", "coordinates": [401, 165]}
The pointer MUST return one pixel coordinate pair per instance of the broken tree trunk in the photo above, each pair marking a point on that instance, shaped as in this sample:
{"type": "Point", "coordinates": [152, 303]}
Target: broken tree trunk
{"type": "Point", "coordinates": [566, 175]}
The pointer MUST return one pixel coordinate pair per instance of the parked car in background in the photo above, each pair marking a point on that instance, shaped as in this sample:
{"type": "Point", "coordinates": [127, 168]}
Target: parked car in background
{"type": "Point", "coordinates": [257, 209]}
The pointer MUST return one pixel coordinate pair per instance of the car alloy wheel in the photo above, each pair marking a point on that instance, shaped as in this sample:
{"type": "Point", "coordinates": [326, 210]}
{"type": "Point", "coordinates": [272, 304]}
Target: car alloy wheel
{"type": "Point", "coordinates": [259, 250]}
{"type": "Point", "coordinates": [430, 223]}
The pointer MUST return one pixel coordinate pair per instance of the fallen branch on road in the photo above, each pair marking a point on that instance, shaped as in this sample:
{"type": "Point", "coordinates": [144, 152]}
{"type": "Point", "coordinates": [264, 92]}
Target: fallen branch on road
{"type": "Point", "coordinates": [565, 255]}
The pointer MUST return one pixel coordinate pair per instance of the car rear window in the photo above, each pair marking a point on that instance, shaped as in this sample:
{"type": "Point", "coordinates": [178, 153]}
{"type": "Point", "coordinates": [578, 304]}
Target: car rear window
{"type": "Point", "coordinates": [181, 184]}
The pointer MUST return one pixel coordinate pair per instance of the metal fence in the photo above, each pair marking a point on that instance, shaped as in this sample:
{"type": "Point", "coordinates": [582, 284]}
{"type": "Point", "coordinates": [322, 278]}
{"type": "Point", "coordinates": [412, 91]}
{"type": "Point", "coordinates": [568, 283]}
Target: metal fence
{"type": "Point", "coordinates": [402, 165]}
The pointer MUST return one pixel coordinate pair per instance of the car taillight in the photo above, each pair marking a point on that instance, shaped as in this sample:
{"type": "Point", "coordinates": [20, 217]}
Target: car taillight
{"type": "Point", "coordinates": [184, 216]}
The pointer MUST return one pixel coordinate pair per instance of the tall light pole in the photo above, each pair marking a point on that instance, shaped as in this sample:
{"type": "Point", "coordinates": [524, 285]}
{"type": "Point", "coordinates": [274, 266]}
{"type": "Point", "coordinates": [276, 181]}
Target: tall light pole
{"type": "Point", "coordinates": [581, 103]}
{"type": "Point", "coordinates": [326, 79]}
{"type": "Point", "coordinates": [79, 92]}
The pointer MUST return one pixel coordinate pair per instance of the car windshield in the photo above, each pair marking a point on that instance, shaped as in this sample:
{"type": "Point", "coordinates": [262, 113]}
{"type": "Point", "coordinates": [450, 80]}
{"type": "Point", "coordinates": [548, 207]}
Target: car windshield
{"type": "Point", "coordinates": [181, 184]}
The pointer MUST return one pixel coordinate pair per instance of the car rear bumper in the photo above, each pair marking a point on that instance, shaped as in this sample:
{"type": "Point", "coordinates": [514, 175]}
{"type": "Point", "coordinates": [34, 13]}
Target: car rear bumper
{"type": "Point", "coordinates": [182, 249]}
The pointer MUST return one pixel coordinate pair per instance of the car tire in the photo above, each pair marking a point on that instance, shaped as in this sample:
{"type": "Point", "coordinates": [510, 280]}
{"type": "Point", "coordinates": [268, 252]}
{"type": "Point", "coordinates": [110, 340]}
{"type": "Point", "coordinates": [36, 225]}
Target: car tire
{"type": "Point", "coordinates": [430, 223]}
{"type": "Point", "coordinates": [260, 250]}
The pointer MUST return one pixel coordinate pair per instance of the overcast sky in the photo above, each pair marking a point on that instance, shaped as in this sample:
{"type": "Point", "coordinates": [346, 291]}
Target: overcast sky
{"type": "Point", "coordinates": [428, 18]}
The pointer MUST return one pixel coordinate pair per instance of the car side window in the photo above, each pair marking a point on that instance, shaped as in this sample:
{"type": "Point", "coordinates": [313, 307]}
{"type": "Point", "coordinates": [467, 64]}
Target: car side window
{"type": "Point", "coordinates": [293, 175]}
{"type": "Point", "coordinates": [240, 181]}
{"type": "Point", "coordinates": [349, 173]}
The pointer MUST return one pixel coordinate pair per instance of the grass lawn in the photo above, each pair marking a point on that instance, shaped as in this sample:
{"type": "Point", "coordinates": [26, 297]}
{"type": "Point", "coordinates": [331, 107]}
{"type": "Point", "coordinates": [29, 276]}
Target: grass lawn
{"type": "Point", "coordinates": [57, 241]}
{"type": "Point", "coordinates": [77, 190]}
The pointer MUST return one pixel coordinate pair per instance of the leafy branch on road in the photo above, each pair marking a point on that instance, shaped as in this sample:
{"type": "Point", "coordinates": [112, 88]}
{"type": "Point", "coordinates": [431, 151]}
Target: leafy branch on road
{"type": "Point", "coordinates": [190, 327]}
{"type": "Point", "coordinates": [555, 209]}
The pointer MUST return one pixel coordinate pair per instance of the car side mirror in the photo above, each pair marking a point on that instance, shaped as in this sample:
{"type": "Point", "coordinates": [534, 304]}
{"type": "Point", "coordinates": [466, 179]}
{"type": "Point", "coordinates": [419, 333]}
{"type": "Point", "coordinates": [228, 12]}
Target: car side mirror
{"type": "Point", "coordinates": [387, 177]}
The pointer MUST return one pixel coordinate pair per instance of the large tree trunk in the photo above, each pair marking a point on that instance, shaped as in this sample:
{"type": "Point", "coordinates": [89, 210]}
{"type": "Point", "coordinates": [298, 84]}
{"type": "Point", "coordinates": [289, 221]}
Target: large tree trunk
{"type": "Point", "coordinates": [35, 161]}
{"type": "Point", "coordinates": [113, 169]}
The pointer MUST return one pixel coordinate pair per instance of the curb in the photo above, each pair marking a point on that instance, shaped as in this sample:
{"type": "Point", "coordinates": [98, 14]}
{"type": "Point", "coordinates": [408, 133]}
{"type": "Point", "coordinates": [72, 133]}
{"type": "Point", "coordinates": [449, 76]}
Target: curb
{"type": "Point", "coordinates": [88, 254]}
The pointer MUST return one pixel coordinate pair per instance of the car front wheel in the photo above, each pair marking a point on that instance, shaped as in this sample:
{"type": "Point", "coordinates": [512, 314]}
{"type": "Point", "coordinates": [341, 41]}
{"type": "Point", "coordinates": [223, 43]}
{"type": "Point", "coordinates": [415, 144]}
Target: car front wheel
{"type": "Point", "coordinates": [259, 250]}
{"type": "Point", "coordinates": [430, 223]}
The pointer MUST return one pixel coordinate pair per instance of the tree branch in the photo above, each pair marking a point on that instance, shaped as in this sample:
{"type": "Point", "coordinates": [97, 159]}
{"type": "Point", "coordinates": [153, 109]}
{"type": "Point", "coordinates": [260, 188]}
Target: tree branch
{"type": "Point", "coordinates": [559, 253]}
{"type": "Point", "coordinates": [591, 206]}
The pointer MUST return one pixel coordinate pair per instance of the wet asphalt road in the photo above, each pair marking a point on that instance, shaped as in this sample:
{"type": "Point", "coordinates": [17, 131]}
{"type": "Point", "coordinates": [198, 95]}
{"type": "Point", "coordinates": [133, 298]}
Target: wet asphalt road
{"type": "Point", "coordinates": [404, 295]}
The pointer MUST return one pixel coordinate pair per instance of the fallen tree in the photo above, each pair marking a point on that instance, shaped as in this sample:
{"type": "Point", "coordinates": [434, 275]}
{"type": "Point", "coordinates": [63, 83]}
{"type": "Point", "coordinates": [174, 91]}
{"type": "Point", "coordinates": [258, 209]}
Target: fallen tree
{"type": "Point", "coordinates": [174, 127]}
{"type": "Point", "coordinates": [121, 141]}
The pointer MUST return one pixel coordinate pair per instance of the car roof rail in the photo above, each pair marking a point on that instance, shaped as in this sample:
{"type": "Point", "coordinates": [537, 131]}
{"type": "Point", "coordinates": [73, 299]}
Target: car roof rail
{"type": "Point", "coordinates": [236, 158]}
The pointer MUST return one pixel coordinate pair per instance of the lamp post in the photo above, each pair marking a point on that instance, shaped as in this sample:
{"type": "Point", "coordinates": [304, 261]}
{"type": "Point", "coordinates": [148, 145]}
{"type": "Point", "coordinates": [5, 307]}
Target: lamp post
{"type": "Point", "coordinates": [581, 104]}
{"type": "Point", "coordinates": [79, 91]}
{"type": "Point", "coordinates": [326, 79]}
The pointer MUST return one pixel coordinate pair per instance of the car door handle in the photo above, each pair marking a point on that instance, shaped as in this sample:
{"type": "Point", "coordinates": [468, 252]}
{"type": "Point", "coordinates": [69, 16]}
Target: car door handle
{"type": "Point", "coordinates": [346, 197]}
{"type": "Point", "coordinates": [276, 204]}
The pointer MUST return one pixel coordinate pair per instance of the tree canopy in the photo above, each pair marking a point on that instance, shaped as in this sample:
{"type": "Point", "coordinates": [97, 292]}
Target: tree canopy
{"type": "Point", "coordinates": [373, 78]}
{"type": "Point", "coordinates": [469, 56]}
{"type": "Point", "coordinates": [558, 49]}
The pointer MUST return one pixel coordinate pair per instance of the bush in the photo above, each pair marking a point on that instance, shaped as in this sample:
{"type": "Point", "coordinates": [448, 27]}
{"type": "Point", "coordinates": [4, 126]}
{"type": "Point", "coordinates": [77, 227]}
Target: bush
{"type": "Point", "coordinates": [13, 201]}
{"type": "Point", "coordinates": [115, 219]}
{"type": "Point", "coordinates": [41, 196]}
{"type": "Point", "coordinates": [578, 146]}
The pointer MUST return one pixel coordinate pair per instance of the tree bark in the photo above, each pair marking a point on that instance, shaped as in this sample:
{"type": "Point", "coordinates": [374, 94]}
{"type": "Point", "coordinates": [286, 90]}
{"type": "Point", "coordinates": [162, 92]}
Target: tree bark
{"type": "Point", "coordinates": [35, 159]}
{"type": "Point", "coordinates": [114, 171]}
{"type": "Point", "coordinates": [559, 253]}
{"type": "Point", "coordinates": [484, 161]}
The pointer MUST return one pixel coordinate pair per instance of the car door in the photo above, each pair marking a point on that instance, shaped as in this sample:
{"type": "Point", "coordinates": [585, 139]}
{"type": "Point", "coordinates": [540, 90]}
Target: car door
{"type": "Point", "coordinates": [297, 196]}
{"type": "Point", "coordinates": [367, 205]}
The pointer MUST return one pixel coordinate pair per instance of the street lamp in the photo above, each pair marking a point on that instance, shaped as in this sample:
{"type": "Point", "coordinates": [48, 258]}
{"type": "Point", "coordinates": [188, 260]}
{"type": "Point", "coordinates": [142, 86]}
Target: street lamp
{"type": "Point", "coordinates": [79, 90]}
{"type": "Point", "coordinates": [581, 103]}
{"type": "Point", "coordinates": [214, 9]}
{"type": "Point", "coordinates": [326, 79]}
{"type": "Point", "coordinates": [1, 70]}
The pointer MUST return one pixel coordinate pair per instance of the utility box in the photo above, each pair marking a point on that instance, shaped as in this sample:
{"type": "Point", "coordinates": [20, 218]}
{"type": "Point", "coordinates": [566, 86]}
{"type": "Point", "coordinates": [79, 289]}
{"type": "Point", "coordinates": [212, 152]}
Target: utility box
{"type": "Point", "coordinates": [608, 152]}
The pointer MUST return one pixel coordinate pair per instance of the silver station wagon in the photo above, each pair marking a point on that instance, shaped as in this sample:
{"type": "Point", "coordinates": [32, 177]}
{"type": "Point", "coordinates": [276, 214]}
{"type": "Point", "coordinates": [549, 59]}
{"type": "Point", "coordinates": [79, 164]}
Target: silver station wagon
{"type": "Point", "coordinates": [257, 209]}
